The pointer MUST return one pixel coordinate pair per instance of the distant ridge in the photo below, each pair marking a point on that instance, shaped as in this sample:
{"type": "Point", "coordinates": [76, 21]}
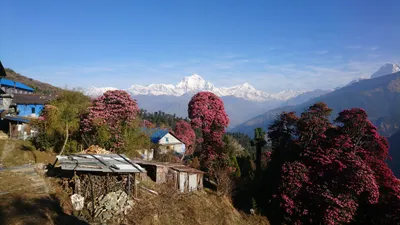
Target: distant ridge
{"type": "Point", "coordinates": [379, 96]}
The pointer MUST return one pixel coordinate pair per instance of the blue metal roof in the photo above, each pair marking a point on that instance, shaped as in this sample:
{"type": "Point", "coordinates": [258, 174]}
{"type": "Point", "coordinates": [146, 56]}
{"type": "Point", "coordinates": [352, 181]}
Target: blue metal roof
{"type": "Point", "coordinates": [11, 83]}
{"type": "Point", "coordinates": [155, 137]}
{"type": "Point", "coordinates": [155, 133]}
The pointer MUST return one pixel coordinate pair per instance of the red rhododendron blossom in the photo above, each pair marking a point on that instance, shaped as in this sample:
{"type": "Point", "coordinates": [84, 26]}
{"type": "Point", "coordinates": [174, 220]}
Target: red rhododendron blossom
{"type": "Point", "coordinates": [185, 133]}
{"type": "Point", "coordinates": [207, 113]}
{"type": "Point", "coordinates": [329, 173]}
{"type": "Point", "coordinates": [113, 110]}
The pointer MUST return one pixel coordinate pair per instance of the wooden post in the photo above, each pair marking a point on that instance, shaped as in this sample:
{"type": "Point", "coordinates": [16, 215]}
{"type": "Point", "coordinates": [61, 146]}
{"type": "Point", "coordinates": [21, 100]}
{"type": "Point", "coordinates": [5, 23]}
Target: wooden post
{"type": "Point", "coordinates": [9, 128]}
{"type": "Point", "coordinates": [135, 185]}
{"type": "Point", "coordinates": [91, 189]}
{"type": "Point", "coordinates": [129, 185]}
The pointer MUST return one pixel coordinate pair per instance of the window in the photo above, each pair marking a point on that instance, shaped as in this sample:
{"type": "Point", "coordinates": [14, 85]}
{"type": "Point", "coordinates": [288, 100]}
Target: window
{"type": "Point", "coordinates": [166, 139]}
{"type": "Point", "coordinates": [33, 110]}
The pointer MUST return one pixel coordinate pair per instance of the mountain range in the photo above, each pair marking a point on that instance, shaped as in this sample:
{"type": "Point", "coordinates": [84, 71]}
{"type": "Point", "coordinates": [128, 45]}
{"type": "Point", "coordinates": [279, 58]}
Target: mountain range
{"type": "Point", "coordinates": [378, 95]}
{"type": "Point", "coordinates": [387, 68]}
{"type": "Point", "coordinates": [241, 101]}
{"type": "Point", "coordinates": [195, 83]}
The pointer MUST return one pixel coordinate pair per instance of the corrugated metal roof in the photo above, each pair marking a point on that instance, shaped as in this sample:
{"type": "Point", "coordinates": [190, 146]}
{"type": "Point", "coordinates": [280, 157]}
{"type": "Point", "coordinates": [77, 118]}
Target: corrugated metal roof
{"type": "Point", "coordinates": [31, 99]}
{"type": "Point", "coordinates": [156, 136]}
{"type": "Point", "coordinates": [11, 83]}
{"type": "Point", "coordinates": [108, 163]}
{"type": "Point", "coordinates": [157, 133]}
{"type": "Point", "coordinates": [17, 119]}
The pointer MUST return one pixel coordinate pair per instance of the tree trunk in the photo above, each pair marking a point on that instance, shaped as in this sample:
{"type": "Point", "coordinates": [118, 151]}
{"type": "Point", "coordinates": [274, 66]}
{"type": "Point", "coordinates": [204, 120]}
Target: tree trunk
{"type": "Point", "coordinates": [66, 138]}
{"type": "Point", "coordinates": [258, 158]}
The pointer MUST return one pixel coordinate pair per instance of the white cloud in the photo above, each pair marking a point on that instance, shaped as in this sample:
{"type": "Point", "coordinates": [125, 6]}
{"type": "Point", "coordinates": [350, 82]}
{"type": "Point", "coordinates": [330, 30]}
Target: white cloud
{"type": "Point", "coordinates": [374, 48]}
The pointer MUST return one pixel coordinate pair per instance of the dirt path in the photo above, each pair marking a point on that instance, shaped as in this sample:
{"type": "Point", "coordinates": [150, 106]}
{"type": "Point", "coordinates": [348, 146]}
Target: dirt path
{"type": "Point", "coordinates": [26, 197]}
{"type": "Point", "coordinates": [22, 179]}
{"type": "Point", "coordinates": [7, 148]}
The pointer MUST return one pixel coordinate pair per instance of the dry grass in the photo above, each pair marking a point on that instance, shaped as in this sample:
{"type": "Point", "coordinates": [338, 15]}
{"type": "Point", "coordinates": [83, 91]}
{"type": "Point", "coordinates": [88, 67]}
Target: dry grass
{"type": "Point", "coordinates": [17, 152]}
{"type": "Point", "coordinates": [197, 208]}
{"type": "Point", "coordinates": [23, 203]}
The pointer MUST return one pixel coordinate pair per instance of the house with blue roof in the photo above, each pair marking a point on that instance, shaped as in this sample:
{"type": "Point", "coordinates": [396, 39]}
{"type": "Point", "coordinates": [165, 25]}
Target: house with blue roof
{"type": "Point", "coordinates": [164, 141]}
{"type": "Point", "coordinates": [14, 87]}
{"type": "Point", "coordinates": [18, 105]}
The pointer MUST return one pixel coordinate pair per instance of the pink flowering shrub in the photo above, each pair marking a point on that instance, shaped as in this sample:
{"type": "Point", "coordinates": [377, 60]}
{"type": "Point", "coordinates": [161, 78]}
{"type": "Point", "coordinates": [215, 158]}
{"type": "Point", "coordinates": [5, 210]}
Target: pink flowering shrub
{"type": "Point", "coordinates": [207, 113]}
{"type": "Point", "coordinates": [147, 124]}
{"type": "Point", "coordinates": [184, 132]}
{"type": "Point", "coordinates": [332, 174]}
{"type": "Point", "coordinates": [110, 114]}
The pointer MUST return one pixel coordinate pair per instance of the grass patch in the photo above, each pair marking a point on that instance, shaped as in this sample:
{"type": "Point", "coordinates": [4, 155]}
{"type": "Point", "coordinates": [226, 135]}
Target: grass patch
{"type": "Point", "coordinates": [18, 152]}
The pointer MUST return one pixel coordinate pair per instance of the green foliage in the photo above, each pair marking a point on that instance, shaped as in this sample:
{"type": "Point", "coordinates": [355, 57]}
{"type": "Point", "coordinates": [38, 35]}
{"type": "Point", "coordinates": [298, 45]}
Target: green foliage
{"type": "Point", "coordinates": [235, 165]}
{"type": "Point", "coordinates": [59, 118]}
{"type": "Point", "coordinates": [161, 119]}
{"type": "Point", "coordinates": [131, 135]}
{"type": "Point", "coordinates": [244, 140]}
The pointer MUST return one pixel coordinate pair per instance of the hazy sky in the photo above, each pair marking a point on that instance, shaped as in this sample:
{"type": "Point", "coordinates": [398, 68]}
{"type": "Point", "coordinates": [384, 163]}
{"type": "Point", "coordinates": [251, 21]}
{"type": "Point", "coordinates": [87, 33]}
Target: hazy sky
{"type": "Point", "coordinates": [273, 45]}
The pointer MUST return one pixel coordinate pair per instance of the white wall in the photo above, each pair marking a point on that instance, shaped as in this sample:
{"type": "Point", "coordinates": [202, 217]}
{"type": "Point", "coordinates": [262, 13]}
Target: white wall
{"type": "Point", "coordinates": [169, 139]}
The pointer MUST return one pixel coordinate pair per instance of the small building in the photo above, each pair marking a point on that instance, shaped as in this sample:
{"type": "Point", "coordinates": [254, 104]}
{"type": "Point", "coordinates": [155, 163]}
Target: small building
{"type": "Point", "coordinates": [14, 87]}
{"type": "Point", "coordinates": [5, 101]}
{"type": "Point", "coordinates": [165, 141]}
{"type": "Point", "coordinates": [183, 178]}
{"type": "Point", "coordinates": [112, 172]}
{"type": "Point", "coordinates": [18, 105]}
{"type": "Point", "coordinates": [29, 105]}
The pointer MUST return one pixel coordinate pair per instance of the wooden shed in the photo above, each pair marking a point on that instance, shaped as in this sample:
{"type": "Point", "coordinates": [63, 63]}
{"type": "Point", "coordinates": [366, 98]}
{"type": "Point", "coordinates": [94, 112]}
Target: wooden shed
{"type": "Point", "coordinates": [183, 178]}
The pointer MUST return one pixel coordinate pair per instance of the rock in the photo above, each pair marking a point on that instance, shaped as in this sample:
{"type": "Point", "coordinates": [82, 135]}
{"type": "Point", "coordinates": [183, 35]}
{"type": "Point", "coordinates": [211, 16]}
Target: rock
{"type": "Point", "coordinates": [107, 215]}
{"type": "Point", "coordinates": [77, 201]}
{"type": "Point", "coordinates": [113, 205]}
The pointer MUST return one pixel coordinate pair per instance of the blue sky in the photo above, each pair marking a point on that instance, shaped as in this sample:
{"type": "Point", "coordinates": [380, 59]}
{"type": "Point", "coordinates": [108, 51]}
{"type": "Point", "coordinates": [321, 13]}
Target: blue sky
{"type": "Point", "coordinates": [273, 45]}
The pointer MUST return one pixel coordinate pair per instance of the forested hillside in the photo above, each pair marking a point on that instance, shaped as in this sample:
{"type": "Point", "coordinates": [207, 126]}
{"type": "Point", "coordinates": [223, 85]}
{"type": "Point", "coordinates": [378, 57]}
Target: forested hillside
{"type": "Point", "coordinates": [160, 119]}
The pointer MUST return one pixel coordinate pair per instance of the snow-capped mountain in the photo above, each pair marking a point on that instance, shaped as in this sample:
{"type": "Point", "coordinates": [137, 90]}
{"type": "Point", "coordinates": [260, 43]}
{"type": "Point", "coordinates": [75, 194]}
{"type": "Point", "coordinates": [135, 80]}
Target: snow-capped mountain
{"type": "Point", "coordinates": [357, 80]}
{"type": "Point", "coordinates": [386, 69]}
{"type": "Point", "coordinates": [97, 91]}
{"type": "Point", "coordinates": [195, 83]}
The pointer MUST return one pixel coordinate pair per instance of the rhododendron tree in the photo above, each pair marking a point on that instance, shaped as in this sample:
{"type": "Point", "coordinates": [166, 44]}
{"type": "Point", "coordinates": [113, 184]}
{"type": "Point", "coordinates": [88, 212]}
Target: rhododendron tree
{"type": "Point", "coordinates": [147, 124]}
{"type": "Point", "coordinates": [111, 115]}
{"type": "Point", "coordinates": [207, 113]}
{"type": "Point", "coordinates": [184, 132]}
{"type": "Point", "coordinates": [330, 174]}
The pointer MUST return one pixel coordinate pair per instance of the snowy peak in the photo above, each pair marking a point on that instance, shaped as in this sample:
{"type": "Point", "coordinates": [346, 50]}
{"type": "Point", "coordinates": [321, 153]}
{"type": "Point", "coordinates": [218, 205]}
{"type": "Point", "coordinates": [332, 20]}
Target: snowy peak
{"type": "Point", "coordinates": [96, 91]}
{"type": "Point", "coordinates": [357, 80]}
{"type": "Point", "coordinates": [386, 69]}
{"type": "Point", "coordinates": [195, 83]}
{"type": "Point", "coordinates": [246, 87]}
